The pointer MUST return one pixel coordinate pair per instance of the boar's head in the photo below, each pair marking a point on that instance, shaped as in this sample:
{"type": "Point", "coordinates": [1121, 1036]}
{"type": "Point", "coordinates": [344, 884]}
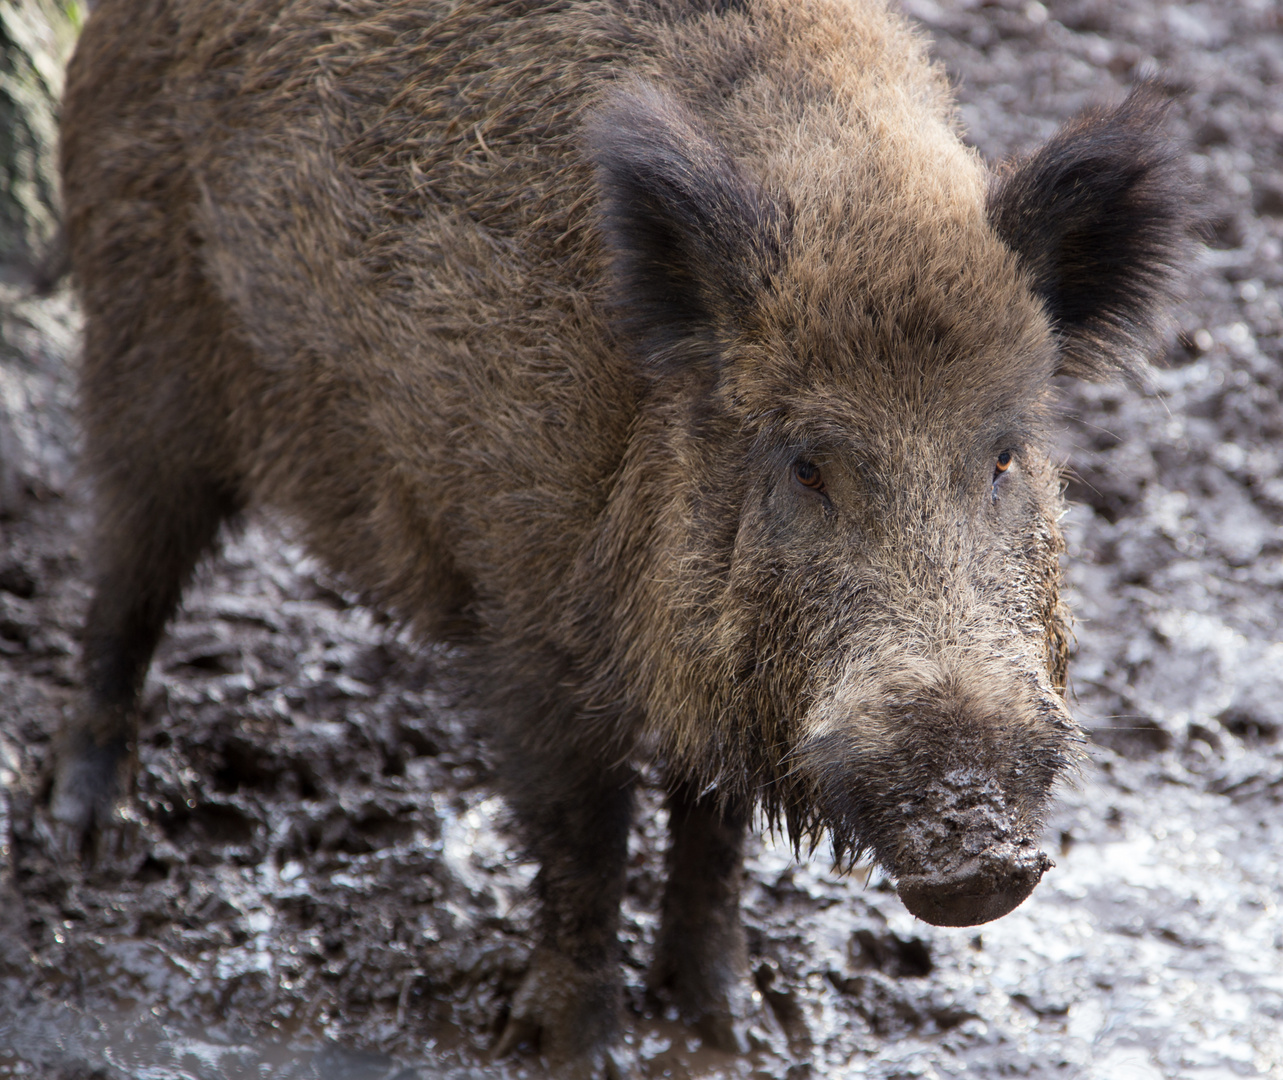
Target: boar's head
{"type": "Point", "coordinates": [839, 512]}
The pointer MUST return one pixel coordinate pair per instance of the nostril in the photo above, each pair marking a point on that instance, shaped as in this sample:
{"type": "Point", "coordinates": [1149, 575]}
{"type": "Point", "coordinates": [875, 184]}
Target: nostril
{"type": "Point", "coordinates": [984, 888]}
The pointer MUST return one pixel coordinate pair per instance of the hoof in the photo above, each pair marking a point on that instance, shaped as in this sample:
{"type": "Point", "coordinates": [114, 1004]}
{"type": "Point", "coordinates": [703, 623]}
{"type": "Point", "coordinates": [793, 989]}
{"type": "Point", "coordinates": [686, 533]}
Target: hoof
{"type": "Point", "coordinates": [82, 807]}
{"type": "Point", "coordinates": [570, 1015]}
{"type": "Point", "coordinates": [707, 981]}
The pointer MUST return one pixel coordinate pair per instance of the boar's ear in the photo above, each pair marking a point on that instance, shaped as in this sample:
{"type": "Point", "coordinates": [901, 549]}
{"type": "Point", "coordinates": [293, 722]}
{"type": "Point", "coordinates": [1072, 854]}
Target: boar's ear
{"type": "Point", "coordinates": [1100, 219]}
{"type": "Point", "coordinates": [692, 239]}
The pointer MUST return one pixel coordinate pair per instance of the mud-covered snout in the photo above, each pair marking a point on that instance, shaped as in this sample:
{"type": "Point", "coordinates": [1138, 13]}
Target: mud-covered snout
{"type": "Point", "coordinates": [965, 854]}
{"type": "Point", "coordinates": [979, 889]}
{"type": "Point", "coordinates": [962, 847]}
{"type": "Point", "coordinates": [950, 799]}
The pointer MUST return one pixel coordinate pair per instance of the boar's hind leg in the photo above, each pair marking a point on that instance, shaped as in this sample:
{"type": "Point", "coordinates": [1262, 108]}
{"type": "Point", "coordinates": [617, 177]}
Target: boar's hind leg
{"type": "Point", "coordinates": [701, 960]}
{"type": "Point", "coordinates": [154, 522]}
{"type": "Point", "coordinates": [574, 814]}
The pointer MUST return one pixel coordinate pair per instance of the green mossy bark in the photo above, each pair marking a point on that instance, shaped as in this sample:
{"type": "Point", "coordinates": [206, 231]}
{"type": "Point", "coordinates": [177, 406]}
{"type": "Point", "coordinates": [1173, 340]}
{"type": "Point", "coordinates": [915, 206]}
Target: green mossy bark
{"type": "Point", "coordinates": [36, 37]}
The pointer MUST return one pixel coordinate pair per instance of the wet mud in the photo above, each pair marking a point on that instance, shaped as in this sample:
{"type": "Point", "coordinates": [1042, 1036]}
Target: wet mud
{"type": "Point", "coordinates": [314, 879]}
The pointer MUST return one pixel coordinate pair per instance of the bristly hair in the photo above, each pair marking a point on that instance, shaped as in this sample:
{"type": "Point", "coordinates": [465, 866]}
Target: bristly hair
{"type": "Point", "coordinates": [692, 238]}
{"type": "Point", "coordinates": [1101, 219]}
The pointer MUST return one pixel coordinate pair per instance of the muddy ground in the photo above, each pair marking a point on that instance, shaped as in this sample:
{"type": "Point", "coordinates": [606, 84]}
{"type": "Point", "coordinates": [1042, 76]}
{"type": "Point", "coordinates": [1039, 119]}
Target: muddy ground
{"type": "Point", "coordinates": [315, 880]}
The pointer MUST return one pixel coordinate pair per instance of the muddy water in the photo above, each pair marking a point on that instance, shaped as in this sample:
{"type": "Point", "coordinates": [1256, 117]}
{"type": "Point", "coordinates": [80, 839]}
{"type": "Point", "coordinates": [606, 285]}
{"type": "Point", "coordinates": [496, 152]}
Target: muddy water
{"type": "Point", "coordinates": [315, 879]}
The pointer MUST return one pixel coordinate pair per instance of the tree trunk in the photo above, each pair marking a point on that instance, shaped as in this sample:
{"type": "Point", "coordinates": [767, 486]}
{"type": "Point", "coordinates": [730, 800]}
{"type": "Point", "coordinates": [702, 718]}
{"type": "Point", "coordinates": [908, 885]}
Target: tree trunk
{"type": "Point", "coordinates": [36, 37]}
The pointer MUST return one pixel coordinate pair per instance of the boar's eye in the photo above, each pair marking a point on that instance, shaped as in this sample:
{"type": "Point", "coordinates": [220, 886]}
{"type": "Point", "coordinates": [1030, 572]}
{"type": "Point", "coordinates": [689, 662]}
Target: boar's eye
{"type": "Point", "coordinates": [1001, 464]}
{"type": "Point", "coordinates": [806, 474]}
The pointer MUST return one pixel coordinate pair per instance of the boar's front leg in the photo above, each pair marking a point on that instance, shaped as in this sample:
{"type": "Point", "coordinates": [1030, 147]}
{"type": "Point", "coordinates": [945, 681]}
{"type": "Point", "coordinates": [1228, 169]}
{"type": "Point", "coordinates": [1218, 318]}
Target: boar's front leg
{"type": "Point", "coordinates": [574, 813]}
{"type": "Point", "coordinates": [701, 960]}
{"type": "Point", "coordinates": [154, 523]}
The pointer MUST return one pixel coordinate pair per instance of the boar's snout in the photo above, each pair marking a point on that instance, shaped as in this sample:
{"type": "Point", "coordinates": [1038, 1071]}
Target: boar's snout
{"type": "Point", "coordinates": [967, 855]}
{"type": "Point", "coordinates": [949, 799]}
{"type": "Point", "coordinates": [985, 887]}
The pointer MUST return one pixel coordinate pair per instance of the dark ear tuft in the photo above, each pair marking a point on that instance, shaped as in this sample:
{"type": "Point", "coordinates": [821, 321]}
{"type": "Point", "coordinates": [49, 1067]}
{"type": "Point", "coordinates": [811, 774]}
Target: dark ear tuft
{"type": "Point", "coordinates": [693, 240]}
{"type": "Point", "coordinates": [1100, 218]}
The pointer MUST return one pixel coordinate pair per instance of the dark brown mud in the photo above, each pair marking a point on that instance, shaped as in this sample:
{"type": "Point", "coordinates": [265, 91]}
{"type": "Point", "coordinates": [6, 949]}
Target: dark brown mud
{"type": "Point", "coordinates": [315, 880]}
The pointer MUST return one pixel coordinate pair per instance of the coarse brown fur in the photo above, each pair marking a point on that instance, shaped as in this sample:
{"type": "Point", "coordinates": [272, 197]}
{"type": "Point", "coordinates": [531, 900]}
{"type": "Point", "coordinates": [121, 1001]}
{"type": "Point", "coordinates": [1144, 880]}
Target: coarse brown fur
{"type": "Point", "coordinates": [675, 358]}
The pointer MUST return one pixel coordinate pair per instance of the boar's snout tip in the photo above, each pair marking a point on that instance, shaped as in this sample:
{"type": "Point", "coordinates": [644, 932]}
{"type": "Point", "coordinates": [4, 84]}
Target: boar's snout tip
{"type": "Point", "coordinates": [982, 889]}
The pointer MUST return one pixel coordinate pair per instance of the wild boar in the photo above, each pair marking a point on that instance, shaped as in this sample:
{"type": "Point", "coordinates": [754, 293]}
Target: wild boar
{"type": "Point", "coordinates": [675, 358]}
